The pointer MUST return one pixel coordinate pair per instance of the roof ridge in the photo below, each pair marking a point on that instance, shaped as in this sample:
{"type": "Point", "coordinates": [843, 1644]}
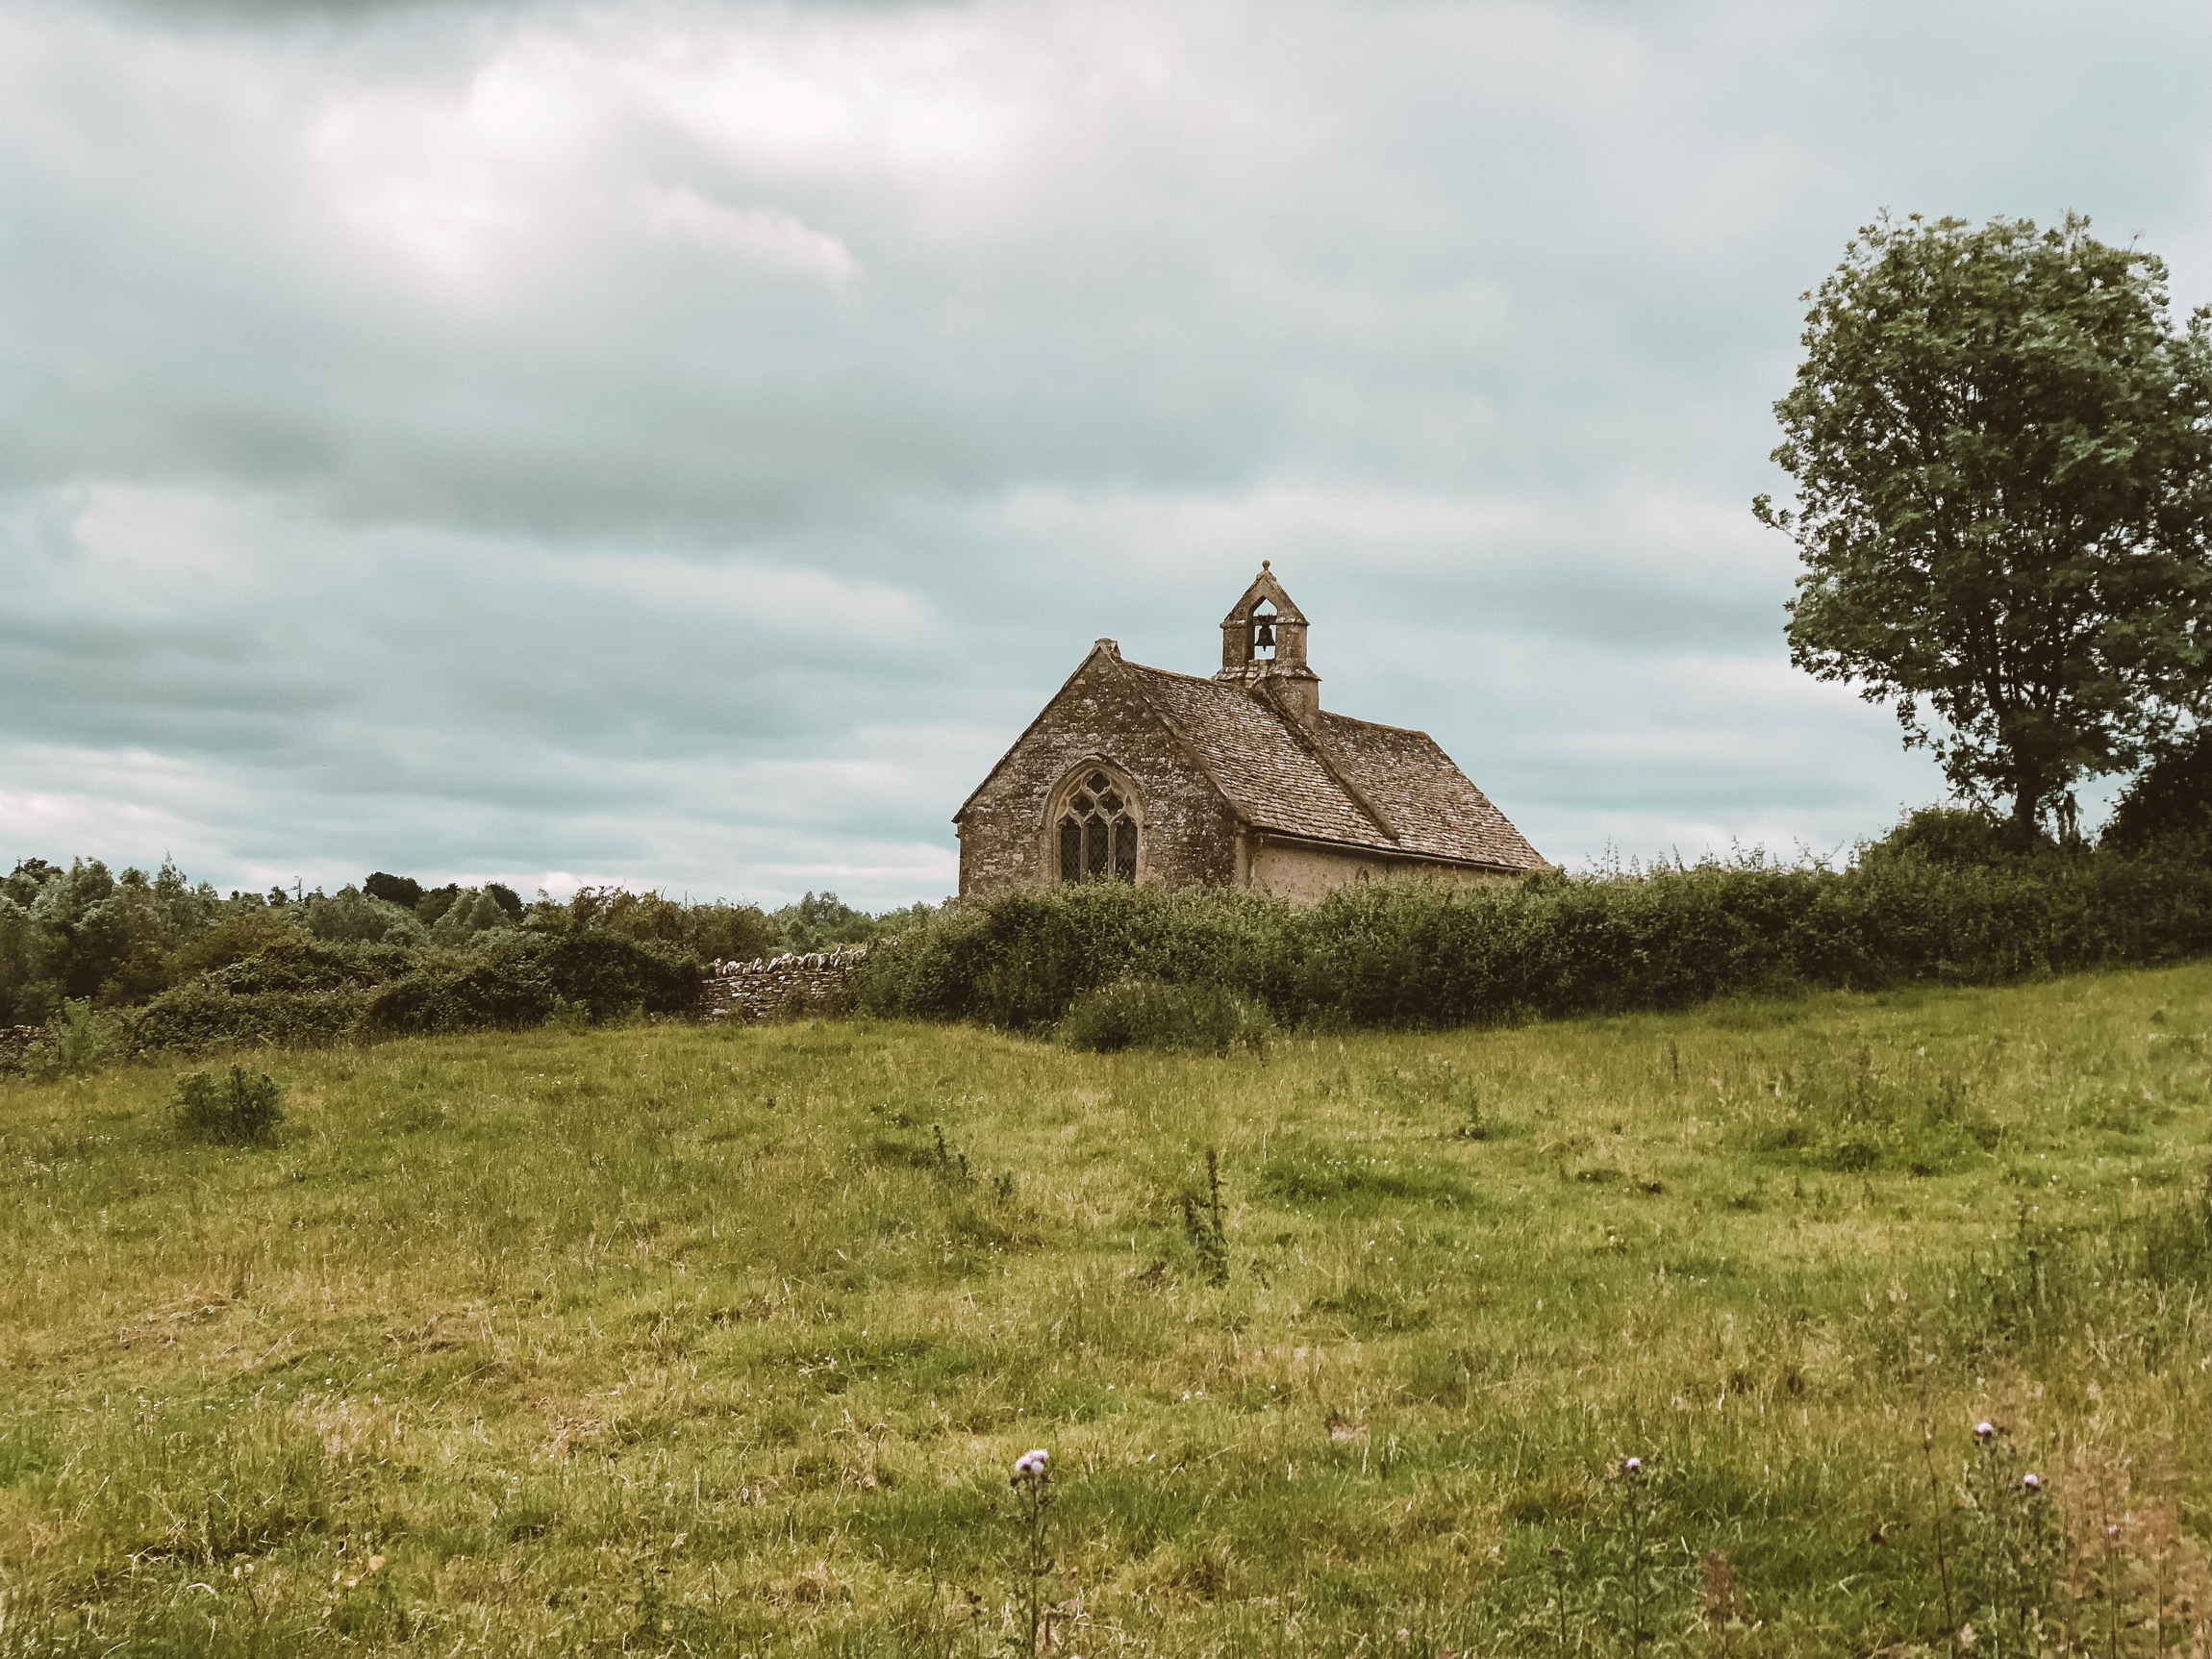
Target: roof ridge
{"type": "Point", "coordinates": [1171, 673]}
{"type": "Point", "coordinates": [1330, 765]}
{"type": "Point", "coordinates": [1379, 725]}
{"type": "Point", "coordinates": [1196, 755]}
{"type": "Point", "coordinates": [999, 765]}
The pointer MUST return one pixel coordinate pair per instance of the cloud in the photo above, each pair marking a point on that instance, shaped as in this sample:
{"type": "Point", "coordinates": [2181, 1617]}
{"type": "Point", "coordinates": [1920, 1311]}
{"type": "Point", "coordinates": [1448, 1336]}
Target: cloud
{"type": "Point", "coordinates": [761, 236]}
{"type": "Point", "coordinates": [684, 443]}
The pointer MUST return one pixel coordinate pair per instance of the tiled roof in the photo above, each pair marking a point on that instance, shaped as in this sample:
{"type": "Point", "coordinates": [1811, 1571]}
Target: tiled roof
{"type": "Point", "coordinates": [1284, 778]}
{"type": "Point", "coordinates": [1430, 802]}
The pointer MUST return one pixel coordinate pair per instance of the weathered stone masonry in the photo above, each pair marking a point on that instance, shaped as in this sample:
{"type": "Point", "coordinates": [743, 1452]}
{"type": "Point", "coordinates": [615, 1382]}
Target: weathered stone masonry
{"type": "Point", "coordinates": [1187, 831]}
{"type": "Point", "coordinates": [791, 983]}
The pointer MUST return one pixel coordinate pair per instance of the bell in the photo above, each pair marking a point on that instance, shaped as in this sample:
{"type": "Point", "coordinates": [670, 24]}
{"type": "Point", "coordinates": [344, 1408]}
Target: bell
{"type": "Point", "coordinates": [1264, 636]}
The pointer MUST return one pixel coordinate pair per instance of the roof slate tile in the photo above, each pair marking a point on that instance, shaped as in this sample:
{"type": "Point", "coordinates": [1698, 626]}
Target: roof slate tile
{"type": "Point", "coordinates": [1269, 768]}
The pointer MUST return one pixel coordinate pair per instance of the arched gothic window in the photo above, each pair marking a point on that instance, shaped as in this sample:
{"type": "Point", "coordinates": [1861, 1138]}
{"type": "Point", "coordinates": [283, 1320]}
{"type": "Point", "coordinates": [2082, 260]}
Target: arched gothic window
{"type": "Point", "coordinates": [1098, 832]}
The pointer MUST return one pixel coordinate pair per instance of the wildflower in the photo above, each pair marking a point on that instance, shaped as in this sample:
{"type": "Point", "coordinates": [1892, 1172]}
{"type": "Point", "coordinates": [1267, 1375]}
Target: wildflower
{"type": "Point", "coordinates": [376, 1563]}
{"type": "Point", "coordinates": [2032, 1481]}
{"type": "Point", "coordinates": [1029, 1467]}
{"type": "Point", "coordinates": [1631, 1466]}
{"type": "Point", "coordinates": [1984, 1429]}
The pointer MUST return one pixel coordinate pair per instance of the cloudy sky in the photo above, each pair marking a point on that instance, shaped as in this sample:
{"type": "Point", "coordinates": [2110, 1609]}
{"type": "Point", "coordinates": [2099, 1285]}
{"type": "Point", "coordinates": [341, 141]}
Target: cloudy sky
{"type": "Point", "coordinates": [684, 443]}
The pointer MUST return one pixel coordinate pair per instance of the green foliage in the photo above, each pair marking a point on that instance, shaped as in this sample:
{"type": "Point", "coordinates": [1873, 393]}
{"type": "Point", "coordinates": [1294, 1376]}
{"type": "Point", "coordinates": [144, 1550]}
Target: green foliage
{"type": "Point", "coordinates": [1950, 837]}
{"type": "Point", "coordinates": [1145, 1013]}
{"type": "Point", "coordinates": [2003, 459]}
{"type": "Point", "coordinates": [77, 1042]}
{"type": "Point", "coordinates": [23, 884]}
{"type": "Point", "coordinates": [1022, 960]}
{"type": "Point", "coordinates": [821, 922]}
{"type": "Point", "coordinates": [433, 905]}
{"type": "Point", "coordinates": [232, 1111]}
{"type": "Point", "coordinates": [716, 931]}
{"type": "Point", "coordinates": [352, 917]}
{"type": "Point", "coordinates": [506, 899]}
{"type": "Point", "coordinates": [404, 890]}
{"type": "Point", "coordinates": [1920, 907]}
{"type": "Point", "coordinates": [525, 981]}
{"type": "Point", "coordinates": [2171, 798]}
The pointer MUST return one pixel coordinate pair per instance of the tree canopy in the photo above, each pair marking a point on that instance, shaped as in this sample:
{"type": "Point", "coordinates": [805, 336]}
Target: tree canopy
{"type": "Point", "coordinates": [2002, 451]}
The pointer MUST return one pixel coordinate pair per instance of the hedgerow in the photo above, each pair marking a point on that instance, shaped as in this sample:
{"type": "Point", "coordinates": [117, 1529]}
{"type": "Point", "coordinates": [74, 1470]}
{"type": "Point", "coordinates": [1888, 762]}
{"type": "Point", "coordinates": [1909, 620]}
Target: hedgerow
{"type": "Point", "coordinates": [1913, 909]}
{"type": "Point", "coordinates": [307, 993]}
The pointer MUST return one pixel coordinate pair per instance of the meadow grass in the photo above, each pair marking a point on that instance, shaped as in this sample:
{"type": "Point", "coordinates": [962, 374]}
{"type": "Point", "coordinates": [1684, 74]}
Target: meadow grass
{"type": "Point", "coordinates": [673, 1338]}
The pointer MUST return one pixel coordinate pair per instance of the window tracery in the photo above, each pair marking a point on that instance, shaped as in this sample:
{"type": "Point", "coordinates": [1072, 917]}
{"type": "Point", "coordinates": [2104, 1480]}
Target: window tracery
{"type": "Point", "coordinates": [1099, 832]}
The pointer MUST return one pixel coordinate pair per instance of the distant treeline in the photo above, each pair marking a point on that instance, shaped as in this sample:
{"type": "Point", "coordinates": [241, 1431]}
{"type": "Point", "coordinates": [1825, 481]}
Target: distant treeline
{"type": "Point", "coordinates": [1941, 901]}
{"type": "Point", "coordinates": [167, 963]}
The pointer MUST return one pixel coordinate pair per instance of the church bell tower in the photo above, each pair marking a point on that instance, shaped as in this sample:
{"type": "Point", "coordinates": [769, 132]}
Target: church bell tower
{"type": "Point", "coordinates": [1263, 646]}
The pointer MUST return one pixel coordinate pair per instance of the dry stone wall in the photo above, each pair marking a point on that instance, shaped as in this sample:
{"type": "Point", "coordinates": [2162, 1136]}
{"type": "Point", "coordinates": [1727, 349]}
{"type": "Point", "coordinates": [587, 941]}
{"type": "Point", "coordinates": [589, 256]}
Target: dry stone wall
{"type": "Point", "coordinates": [816, 981]}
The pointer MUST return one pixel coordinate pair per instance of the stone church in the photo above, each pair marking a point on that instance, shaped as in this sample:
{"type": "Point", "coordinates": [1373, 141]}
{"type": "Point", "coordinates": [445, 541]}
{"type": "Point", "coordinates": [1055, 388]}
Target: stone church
{"type": "Point", "coordinates": [1243, 780]}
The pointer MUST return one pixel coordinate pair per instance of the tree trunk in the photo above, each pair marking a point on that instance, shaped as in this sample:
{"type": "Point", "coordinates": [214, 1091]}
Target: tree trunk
{"type": "Point", "coordinates": [2025, 825]}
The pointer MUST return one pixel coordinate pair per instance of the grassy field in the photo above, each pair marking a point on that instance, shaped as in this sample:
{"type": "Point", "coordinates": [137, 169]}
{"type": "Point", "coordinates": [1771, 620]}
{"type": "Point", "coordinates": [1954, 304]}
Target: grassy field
{"type": "Point", "coordinates": [685, 1340]}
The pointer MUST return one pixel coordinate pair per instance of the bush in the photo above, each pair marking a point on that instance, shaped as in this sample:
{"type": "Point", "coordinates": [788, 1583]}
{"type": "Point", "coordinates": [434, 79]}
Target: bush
{"type": "Point", "coordinates": [73, 1044]}
{"type": "Point", "coordinates": [235, 1111]}
{"type": "Point", "coordinates": [1926, 907]}
{"type": "Point", "coordinates": [522, 979]}
{"type": "Point", "coordinates": [435, 903]}
{"type": "Point", "coordinates": [1957, 838]}
{"type": "Point", "coordinates": [2171, 797]}
{"type": "Point", "coordinates": [246, 934]}
{"type": "Point", "coordinates": [352, 917]}
{"type": "Point", "coordinates": [1145, 1013]}
{"type": "Point", "coordinates": [204, 1015]}
{"type": "Point", "coordinates": [716, 931]}
{"type": "Point", "coordinates": [404, 890]}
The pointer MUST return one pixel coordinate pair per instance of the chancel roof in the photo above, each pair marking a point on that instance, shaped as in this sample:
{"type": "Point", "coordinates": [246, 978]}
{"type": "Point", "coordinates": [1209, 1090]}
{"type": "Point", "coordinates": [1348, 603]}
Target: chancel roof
{"type": "Point", "coordinates": [1352, 781]}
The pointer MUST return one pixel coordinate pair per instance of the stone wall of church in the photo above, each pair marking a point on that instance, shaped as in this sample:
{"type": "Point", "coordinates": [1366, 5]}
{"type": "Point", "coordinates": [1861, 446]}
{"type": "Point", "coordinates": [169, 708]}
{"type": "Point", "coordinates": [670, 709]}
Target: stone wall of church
{"type": "Point", "coordinates": [1188, 836]}
{"type": "Point", "coordinates": [1305, 875]}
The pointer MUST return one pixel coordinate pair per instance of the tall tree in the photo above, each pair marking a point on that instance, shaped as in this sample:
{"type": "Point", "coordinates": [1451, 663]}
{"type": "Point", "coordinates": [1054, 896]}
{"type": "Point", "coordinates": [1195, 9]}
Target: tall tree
{"type": "Point", "coordinates": [2002, 451]}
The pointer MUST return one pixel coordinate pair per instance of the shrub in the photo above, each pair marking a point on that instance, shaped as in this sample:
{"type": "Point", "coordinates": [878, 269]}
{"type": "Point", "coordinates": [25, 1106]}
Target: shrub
{"type": "Point", "coordinates": [205, 1014]}
{"type": "Point", "coordinates": [247, 933]}
{"type": "Point", "coordinates": [234, 1111]}
{"type": "Point", "coordinates": [436, 902]}
{"type": "Point", "coordinates": [610, 975]}
{"type": "Point", "coordinates": [462, 992]}
{"type": "Point", "coordinates": [353, 917]}
{"type": "Point", "coordinates": [2173, 797]}
{"type": "Point", "coordinates": [1145, 1013]}
{"type": "Point", "coordinates": [74, 1044]}
{"type": "Point", "coordinates": [1957, 838]}
{"type": "Point", "coordinates": [1924, 908]}
{"type": "Point", "coordinates": [728, 932]}
{"type": "Point", "coordinates": [523, 979]}
{"type": "Point", "coordinates": [295, 962]}
{"type": "Point", "coordinates": [400, 890]}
